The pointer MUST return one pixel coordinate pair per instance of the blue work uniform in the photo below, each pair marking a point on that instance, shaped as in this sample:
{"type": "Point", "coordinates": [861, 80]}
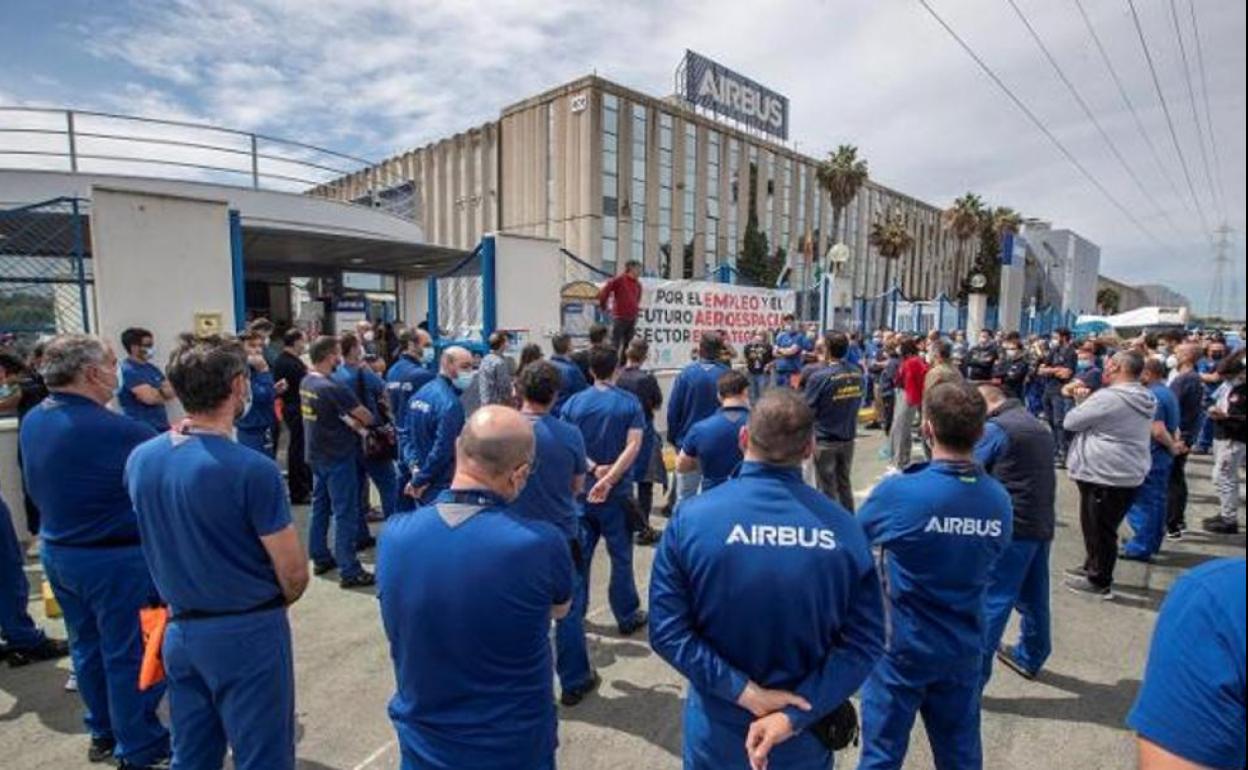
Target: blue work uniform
{"type": "Point", "coordinates": [406, 376]}
{"type": "Point", "coordinates": [559, 453]}
{"type": "Point", "coordinates": [256, 426]}
{"type": "Point", "coordinates": [1147, 514]}
{"type": "Point", "coordinates": [694, 397]}
{"type": "Point", "coordinates": [1017, 449]}
{"type": "Point", "coordinates": [332, 449]}
{"type": "Point", "coordinates": [715, 443]}
{"type": "Point", "coordinates": [1204, 439]}
{"type": "Point", "coordinates": [571, 381]}
{"type": "Point", "coordinates": [941, 528]}
{"type": "Point", "coordinates": [203, 503]}
{"type": "Point", "coordinates": [764, 579]}
{"type": "Point", "coordinates": [17, 628]}
{"type": "Point", "coordinates": [370, 389]}
{"type": "Point", "coordinates": [133, 374]}
{"type": "Point", "coordinates": [74, 453]}
{"type": "Point", "coordinates": [1192, 701]}
{"type": "Point", "coordinates": [466, 591]}
{"type": "Point", "coordinates": [604, 414]}
{"type": "Point", "coordinates": [787, 366]}
{"type": "Point", "coordinates": [435, 418]}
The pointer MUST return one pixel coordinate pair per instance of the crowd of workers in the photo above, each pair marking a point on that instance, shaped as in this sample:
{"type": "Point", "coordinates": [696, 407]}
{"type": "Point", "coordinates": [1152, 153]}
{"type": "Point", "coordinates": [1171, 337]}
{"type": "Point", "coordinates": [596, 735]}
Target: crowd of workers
{"type": "Point", "coordinates": [497, 480]}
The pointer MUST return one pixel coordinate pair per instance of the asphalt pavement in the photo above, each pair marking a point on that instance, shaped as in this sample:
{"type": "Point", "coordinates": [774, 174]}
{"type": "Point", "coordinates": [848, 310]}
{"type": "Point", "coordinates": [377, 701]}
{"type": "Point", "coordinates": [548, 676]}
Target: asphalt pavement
{"type": "Point", "coordinates": [1070, 717]}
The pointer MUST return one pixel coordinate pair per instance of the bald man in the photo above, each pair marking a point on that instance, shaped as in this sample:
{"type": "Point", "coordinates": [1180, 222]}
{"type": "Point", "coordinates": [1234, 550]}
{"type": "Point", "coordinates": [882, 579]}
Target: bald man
{"type": "Point", "coordinates": [467, 592]}
{"type": "Point", "coordinates": [433, 421]}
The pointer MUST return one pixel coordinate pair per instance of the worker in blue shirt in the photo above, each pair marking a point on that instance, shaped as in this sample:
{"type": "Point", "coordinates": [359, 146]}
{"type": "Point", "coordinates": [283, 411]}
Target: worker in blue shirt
{"type": "Point", "coordinates": [410, 372]}
{"type": "Point", "coordinates": [1147, 514]}
{"type": "Point", "coordinates": [1017, 449]}
{"type": "Point", "coordinates": [370, 389]}
{"type": "Point", "coordinates": [209, 506]}
{"type": "Point", "coordinates": [24, 642]}
{"type": "Point", "coordinates": [765, 597]}
{"type": "Point", "coordinates": [555, 483]}
{"type": "Point", "coordinates": [834, 392]}
{"type": "Point", "coordinates": [434, 419]}
{"type": "Point", "coordinates": [694, 397]}
{"type": "Point", "coordinates": [790, 344]}
{"type": "Point", "coordinates": [143, 390]}
{"type": "Point", "coordinates": [572, 379]}
{"type": "Point", "coordinates": [74, 451]}
{"type": "Point", "coordinates": [611, 423]}
{"type": "Point", "coordinates": [257, 425]}
{"type": "Point", "coordinates": [712, 447]}
{"type": "Point", "coordinates": [1190, 711]}
{"type": "Point", "coordinates": [467, 591]}
{"type": "Point", "coordinates": [941, 527]}
{"type": "Point", "coordinates": [332, 420]}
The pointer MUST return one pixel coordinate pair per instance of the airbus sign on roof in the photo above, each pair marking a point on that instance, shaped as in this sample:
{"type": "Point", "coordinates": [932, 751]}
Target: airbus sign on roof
{"type": "Point", "coordinates": [713, 86]}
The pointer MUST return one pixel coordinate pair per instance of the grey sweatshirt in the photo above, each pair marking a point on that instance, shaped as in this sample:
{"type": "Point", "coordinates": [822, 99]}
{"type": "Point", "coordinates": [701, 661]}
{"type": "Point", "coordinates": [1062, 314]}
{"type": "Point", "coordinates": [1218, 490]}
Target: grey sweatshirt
{"type": "Point", "coordinates": [1113, 433]}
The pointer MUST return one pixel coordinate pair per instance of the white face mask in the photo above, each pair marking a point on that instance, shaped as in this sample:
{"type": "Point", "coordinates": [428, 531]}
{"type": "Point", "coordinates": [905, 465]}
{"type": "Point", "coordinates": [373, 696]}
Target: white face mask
{"type": "Point", "coordinates": [463, 380]}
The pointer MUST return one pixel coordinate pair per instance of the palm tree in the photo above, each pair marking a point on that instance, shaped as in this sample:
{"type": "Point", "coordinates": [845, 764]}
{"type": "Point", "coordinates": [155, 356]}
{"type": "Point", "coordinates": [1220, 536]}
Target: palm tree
{"type": "Point", "coordinates": [1006, 220]}
{"type": "Point", "coordinates": [841, 175]}
{"type": "Point", "coordinates": [963, 219]}
{"type": "Point", "coordinates": [890, 235]}
{"type": "Point", "coordinates": [1107, 300]}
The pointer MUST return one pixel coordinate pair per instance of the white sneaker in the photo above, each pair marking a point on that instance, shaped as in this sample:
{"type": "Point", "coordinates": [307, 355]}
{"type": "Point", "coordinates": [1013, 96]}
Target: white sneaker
{"type": "Point", "coordinates": [71, 684]}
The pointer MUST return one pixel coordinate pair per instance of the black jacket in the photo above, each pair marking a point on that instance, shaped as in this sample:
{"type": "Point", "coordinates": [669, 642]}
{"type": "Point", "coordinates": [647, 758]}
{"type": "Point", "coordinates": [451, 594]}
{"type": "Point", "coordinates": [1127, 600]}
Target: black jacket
{"type": "Point", "coordinates": [1026, 470]}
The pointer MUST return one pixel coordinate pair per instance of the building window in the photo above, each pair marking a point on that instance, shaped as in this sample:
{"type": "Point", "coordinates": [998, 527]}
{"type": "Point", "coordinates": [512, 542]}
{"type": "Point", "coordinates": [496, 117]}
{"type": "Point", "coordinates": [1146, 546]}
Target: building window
{"type": "Point", "coordinates": [665, 195]}
{"type": "Point", "coordinates": [769, 174]}
{"type": "Point", "coordinates": [786, 192]}
{"type": "Point", "coordinates": [734, 190]}
{"type": "Point", "coordinates": [638, 202]}
{"type": "Point", "coordinates": [610, 180]}
{"type": "Point", "coordinates": [691, 181]}
{"type": "Point", "coordinates": [550, 169]}
{"type": "Point", "coordinates": [712, 199]}
{"type": "Point", "coordinates": [801, 204]}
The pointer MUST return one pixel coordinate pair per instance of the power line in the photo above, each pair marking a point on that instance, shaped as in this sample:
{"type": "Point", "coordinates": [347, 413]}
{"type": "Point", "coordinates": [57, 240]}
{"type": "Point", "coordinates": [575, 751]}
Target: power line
{"type": "Point", "coordinates": [1191, 97]}
{"type": "Point", "coordinates": [1126, 99]}
{"type": "Point", "coordinates": [1043, 128]}
{"type": "Point", "coordinates": [1174, 136]}
{"type": "Point", "coordinates": [1087, 111]}
{"type": "Point", "coordinates": [1204, 89]}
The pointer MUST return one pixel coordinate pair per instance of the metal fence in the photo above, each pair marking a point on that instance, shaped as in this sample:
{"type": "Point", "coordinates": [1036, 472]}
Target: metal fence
{"type": "Point", "coordinates": [462, 299]}
{"type": "Point", "coordinates": [109, 143]}
{"type": "Point", "coordinates": [45, 270]}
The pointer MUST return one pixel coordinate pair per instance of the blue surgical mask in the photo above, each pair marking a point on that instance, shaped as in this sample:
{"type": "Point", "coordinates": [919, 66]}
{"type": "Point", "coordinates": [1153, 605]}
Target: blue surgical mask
{"type": "Point", "coordinates": [1083, 365]}
{"type": "Point", "coordinates": [463, 380]}
{"type": "Point", "coordinates": [148, 352]}
{"type": "Point", "coordinates": [426, 355]}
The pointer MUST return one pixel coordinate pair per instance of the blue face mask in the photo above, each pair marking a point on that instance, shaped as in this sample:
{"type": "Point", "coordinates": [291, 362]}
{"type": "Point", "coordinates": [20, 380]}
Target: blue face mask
{"type": "Point", "coordinates": [1083, 365]}
{"type": "Point", "coordinates": [463, 380]}
{"type": "Point", "coordinates": [426, 356]}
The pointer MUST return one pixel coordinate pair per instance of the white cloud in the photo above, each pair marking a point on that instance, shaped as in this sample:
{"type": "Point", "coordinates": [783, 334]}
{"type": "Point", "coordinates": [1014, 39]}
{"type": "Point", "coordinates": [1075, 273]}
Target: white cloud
{"type": "Point", "coordinates": [371, 78]}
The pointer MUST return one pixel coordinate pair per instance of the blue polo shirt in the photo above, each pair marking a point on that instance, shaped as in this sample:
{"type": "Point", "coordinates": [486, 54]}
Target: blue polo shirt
{"type": "Point", "coordinates": [763, 578]}
{"type": "Point", "coordinates": [435, 418]}
{"type": "Point", "coordinates": [694, 397]}
{"type": "Point", "coordinates": [604, 414]}
{"type": "Point", "coordinates": [466, 591]}
{"type": "Point", "coordinates": [834, 393]}
{"type": "Point", "coordinates": [1167, 412]}
{"type": "Point", "coordinates": [203, 503]}
{"type": "Point", "coordinates": [571, 381]}
{"type": "Point", "coordinates": [324, 404]}
{"type": "Point", "coordinates": [941, 527]}
{"type": "Point", "coordinates": [715, 443]}
{"type": "Point", "coordinates": [365, 384]}
{"type": "Point", "coordinates": [1192, 701]}
{"type": "Point", "coordinates": [560, 453]}
{"type": "Point", "coordinates": [73, 455]}
{"type": "Point", "coordinates": [405, 377]}
{"type": "Point", "coordinates": [133, 374]}
{"type": "Point", "coordinates": [791, 364]}
{"type": "Point", "coordinates": [261, 415]}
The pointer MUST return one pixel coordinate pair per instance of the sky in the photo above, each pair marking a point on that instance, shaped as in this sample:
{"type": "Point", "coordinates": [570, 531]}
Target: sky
{"type": "Point", "coordinates": [375, 77]}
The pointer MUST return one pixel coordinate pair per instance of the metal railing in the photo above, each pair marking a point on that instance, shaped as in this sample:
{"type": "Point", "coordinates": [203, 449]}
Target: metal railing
{"type": "Point", "coordinates": [102, 142]}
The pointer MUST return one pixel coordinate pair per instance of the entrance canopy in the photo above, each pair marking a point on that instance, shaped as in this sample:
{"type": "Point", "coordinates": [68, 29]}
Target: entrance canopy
{"type": "Point", "coordinates": [300, 252]}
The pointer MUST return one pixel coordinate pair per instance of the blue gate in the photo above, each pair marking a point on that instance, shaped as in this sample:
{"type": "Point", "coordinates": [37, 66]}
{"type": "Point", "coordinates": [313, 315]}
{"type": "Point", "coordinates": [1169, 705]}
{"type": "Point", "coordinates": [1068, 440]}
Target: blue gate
{"type": "Point", "coordinates": [45, 270]}
{"type": "Point", "coordinates": [462, 300]}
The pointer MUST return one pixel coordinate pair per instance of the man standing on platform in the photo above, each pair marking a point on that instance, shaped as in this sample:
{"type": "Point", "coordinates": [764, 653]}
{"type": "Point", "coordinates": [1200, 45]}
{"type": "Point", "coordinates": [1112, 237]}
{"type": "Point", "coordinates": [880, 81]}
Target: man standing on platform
{"type": "Point", "coordinates": [621, 298]}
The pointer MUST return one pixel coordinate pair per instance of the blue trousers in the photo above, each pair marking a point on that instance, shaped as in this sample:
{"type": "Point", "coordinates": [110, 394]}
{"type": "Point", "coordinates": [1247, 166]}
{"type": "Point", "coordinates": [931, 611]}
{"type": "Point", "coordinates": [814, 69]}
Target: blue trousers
{"type": "Point", "coordinates": [948, 699]}
{"type": "Point", "coordinates": [571, 652]}
{"type": "Point", "coordinates": [1147, 514]}
{"type": "Point", "coordinates": [758, 384]}
{"type": "Point", "coordinates": [1033, 392]}
{"type": "Point", "coordinates": [1204, 439]}
{"type": "Point", "coordinates": [336, 495]}
{"type": "Point", "coordinates": [1020, 581]}
{"type": "Point", "coordinates": [101, 591]}
{"type": "Point", "coordinates": [231, 681]}
{"type": "Point", "coordinates": [259, 440]}
{"type": "Point", "coordinates": [383, 476]}
{"type": "Point", "coordinates": [609, 521]}
{"type": "Point", "coordinates": [16, 625]}
{"type": "Point", "coordinates": [1055, 407]}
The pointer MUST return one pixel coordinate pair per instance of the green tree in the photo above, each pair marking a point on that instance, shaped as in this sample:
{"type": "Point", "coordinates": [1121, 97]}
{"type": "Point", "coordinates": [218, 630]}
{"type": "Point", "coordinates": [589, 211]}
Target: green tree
{"type": "Point", "coordinates": [841, 175]}
{"type": "Point", "coordinates": [964, 219]}
{"type": "Point", "coordinates": [995, 224]}
{"type": "Point", "coordinates": [757, 265]}
{"type": "Point", "coordinates": [891, 237]}
{"type": "Point", "coordinates": [1108, 301]}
